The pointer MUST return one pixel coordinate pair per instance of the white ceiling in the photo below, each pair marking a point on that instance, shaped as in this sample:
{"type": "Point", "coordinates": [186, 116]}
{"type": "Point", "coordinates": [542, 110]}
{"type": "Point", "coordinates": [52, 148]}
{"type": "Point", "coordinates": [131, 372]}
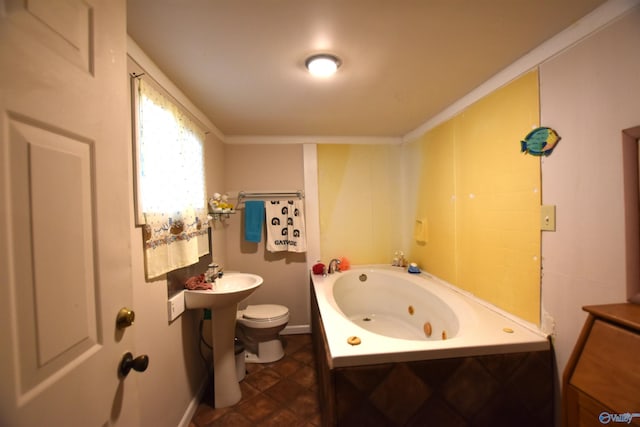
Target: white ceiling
{"type": "Point", "coordinates": [242, 61]}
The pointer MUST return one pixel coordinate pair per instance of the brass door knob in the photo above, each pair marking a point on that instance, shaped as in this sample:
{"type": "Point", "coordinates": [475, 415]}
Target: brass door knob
{"type": "Point", "coordinates": [139, 364]}
{"type": "Point", "coordinates": [125, 318]}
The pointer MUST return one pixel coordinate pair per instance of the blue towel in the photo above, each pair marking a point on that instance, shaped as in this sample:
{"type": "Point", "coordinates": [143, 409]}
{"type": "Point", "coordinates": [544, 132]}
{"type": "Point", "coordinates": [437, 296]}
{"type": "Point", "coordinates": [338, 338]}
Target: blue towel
{"type": "Point", "coordinates": [253, 219]}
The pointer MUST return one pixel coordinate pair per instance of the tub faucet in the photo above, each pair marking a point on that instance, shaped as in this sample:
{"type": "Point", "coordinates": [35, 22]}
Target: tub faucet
{"type": "Point", "coordinates": [334, 266]}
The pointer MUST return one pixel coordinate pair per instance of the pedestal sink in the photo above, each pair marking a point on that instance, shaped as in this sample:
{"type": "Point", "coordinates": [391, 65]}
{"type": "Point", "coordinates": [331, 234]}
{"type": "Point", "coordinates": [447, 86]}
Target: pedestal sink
{"type": "Point", "coordinates": [223, 301]}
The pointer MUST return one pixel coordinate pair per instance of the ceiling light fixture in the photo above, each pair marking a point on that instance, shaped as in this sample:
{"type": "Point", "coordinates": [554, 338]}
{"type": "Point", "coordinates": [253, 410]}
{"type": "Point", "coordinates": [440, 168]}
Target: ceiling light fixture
{"type": "Point", "coordinates": [322, 65]}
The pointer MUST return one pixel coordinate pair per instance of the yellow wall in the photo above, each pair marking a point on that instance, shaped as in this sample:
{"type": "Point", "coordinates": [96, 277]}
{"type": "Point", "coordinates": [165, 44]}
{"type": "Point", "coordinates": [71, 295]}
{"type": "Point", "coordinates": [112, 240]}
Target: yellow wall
{"type": "Point", "coordinates": [434, 246]}
{"type": "Point", "coordinates": [359, 196]}
{"type": "Point", "coordinates": [481, 198]}
{"type": "Point", "coordinates": [476, 194]}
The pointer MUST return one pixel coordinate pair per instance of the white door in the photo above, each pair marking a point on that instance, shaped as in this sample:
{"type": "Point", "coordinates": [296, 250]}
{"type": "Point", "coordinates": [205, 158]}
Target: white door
{"type": "Point", "coordinates": [64, 219]}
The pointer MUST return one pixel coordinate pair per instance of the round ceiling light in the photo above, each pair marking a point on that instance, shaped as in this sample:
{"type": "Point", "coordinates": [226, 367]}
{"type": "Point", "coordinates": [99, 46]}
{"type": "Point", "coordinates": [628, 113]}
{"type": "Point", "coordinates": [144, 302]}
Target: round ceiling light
{"type": "Point", "coordinates": [322, 65]}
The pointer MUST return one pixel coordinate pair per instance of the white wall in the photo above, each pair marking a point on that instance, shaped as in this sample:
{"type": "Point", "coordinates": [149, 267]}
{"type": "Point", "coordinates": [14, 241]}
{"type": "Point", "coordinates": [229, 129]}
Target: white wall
{"type": "Point", "coordinates": [268, 168]}
{"type": "Point", "coordinates": [168, 389]}
{"type": "Point", "coordinates": [589, 94]}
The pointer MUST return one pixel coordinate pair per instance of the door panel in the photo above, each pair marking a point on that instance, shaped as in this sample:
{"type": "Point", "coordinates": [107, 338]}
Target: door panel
{"type": "Point", "coordinates": [64, 26]}
{"type": "Point", "coordinates": [51, 201]}
{"type": "Point", "coordinates": [65, 259]}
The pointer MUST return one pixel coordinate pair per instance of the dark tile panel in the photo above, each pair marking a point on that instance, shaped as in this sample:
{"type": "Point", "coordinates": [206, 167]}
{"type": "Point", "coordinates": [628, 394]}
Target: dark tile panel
{"type": "Point", "coordinates": [491, 390]}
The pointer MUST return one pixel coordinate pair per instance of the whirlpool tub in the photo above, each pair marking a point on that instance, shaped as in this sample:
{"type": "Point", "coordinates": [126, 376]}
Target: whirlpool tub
{"type": "Point", "coordinates": [398, 316]}
{"type": "Point", "coordinates": [394, 348]}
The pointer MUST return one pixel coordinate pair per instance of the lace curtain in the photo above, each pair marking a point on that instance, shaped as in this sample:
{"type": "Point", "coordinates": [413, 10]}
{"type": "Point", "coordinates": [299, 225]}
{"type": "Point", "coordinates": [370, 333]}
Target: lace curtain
{"type": "Point", "coordinates": [172, 187]}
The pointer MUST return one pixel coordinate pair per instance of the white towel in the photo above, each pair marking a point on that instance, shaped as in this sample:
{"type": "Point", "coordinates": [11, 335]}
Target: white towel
{"type": "Point", "coordinates": [285, 226]}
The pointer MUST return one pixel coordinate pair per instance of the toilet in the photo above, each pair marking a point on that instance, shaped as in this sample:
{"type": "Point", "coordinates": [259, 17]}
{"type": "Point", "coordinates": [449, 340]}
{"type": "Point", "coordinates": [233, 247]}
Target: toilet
{"type": "Point", "coordinates": [258, 327]}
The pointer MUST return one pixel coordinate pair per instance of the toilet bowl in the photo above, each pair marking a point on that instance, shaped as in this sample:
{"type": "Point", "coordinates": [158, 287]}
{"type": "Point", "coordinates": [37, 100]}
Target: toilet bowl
{"type": "Point", "coordinates": [258, 326]}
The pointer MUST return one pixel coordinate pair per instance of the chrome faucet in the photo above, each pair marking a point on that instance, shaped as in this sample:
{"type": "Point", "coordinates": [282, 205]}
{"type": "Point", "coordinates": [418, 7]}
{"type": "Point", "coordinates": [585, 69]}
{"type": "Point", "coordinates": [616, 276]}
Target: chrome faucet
{"type": "Point", "coordinates": [213, 272]}
{"type": "Point", "coordinates": [334, 266]}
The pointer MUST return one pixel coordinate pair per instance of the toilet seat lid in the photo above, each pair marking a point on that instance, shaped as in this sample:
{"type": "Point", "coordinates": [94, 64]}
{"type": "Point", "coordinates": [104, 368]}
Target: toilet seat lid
{"type": "Point", "coordinates": [264, 311]}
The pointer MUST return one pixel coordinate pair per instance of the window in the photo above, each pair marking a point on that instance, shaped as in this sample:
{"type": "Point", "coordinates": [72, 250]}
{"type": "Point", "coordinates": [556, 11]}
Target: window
{"type": "Point", "coordinates": [170, 185]}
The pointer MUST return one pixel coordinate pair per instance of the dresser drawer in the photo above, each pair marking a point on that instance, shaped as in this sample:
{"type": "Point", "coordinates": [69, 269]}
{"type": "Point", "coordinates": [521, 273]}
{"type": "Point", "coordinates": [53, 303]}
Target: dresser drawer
{"type": "Point", "coordinates": [609, 367]}
{"type": "Point", "coordinates": [586, 411]}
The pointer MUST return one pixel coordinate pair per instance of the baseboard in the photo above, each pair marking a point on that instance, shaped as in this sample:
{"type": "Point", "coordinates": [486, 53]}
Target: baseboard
{"type": "Point", "coordinates": [193, 404]}
{"type": "Point", "coordinates": [296, 329]}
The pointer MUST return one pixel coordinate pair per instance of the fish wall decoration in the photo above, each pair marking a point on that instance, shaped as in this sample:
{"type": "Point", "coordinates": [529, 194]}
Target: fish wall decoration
{"type": "Point", "coordinates": [540, 141]}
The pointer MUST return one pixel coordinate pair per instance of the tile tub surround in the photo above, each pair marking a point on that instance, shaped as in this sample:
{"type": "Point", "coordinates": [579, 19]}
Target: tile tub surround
{"type": "Point", "coordinates": [486, 390]}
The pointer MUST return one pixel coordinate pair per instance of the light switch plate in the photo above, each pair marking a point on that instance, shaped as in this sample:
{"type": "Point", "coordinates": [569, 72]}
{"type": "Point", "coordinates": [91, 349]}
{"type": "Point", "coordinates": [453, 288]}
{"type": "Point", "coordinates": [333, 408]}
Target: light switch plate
{"type": "Point", "coordinates": [175, 306]}
{"type": "Point", "coordinates": [548, 218]}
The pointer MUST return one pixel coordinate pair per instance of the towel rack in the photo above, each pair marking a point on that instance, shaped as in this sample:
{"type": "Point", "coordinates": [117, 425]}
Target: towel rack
{"type": "Point", "coordinates": [282, 194]}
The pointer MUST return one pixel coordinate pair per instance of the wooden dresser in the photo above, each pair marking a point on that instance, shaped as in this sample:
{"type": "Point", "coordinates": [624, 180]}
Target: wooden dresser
{"type": "Point", "coordinates": [601, 383]}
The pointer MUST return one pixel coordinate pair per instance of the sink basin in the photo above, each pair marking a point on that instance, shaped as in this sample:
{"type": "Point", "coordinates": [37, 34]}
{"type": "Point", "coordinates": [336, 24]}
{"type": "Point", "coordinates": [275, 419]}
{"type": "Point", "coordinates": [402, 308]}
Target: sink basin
{"type": "Point", "coordinates": [228, 290]}
{"type": "Point", "coordinates": [223, 301]}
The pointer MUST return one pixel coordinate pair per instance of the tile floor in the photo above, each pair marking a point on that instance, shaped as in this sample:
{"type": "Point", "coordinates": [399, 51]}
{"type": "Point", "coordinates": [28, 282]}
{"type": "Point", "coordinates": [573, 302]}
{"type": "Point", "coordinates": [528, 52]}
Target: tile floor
{"type": "Point", "coordinates": [283, 393]}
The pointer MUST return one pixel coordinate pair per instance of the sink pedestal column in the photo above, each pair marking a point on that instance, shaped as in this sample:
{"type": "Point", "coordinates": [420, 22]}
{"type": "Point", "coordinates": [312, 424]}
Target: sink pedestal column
{"type": "Point", "coordinates": [223, 301]}
{"type": "Point", "coordinates": [225, 381]}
